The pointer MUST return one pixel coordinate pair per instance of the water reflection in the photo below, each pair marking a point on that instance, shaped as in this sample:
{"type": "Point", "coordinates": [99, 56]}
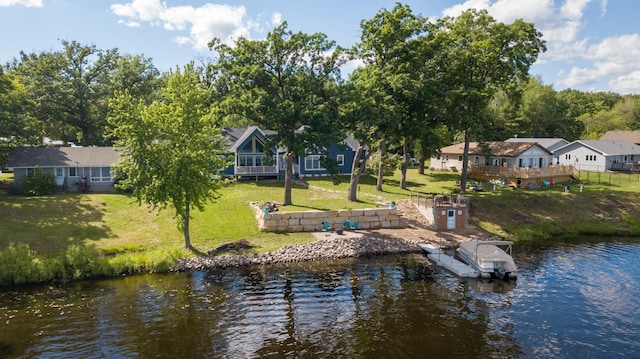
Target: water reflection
{"type": "Point", "coordinates": [574, 301]}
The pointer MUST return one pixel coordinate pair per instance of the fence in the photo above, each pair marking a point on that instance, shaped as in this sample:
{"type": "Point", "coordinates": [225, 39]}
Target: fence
{"type": "Point", "coordinates": [608, 177]}
{"type": "Point", "coordinates": [423, 199]}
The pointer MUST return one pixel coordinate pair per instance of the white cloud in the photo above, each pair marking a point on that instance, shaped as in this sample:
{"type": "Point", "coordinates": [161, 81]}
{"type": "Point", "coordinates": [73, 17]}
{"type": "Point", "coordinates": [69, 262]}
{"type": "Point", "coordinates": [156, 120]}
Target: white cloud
{"type": "Point", "coordinates": [129, 23]}
{"type": "Point", "coordinates": [627, 83]}
{"type": "Point", "coordinates": [612, 60]}
{"type": "Point", "coordinates": [614, 57]}
{"type": "Point", "coordinates": [603, 7]}
{"type": "Point", "coordinates": [202, 23]}
{"type": "Point", "coordinates": [556, 24]}
{"type": "Point", "coordinates": [27, 3]}
{"type": "Point", "coordinates": [276, 19]}
{"type": "Point", "coordinates": [573, 9]}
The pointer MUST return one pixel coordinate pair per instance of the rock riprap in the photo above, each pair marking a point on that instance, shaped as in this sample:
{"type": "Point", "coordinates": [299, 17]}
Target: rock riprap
{"type": "Point", "coordinates": [330, 248]}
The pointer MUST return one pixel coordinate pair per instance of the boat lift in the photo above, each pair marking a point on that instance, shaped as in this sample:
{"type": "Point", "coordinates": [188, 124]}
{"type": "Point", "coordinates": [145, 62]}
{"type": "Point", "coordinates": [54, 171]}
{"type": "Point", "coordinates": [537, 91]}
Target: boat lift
{"type": "Point", "coordinates": [442, 259]}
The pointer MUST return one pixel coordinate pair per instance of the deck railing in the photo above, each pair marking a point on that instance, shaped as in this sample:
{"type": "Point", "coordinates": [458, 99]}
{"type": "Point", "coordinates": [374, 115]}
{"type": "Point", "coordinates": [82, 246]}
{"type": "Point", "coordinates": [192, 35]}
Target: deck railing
{"type": "Point", "coordinates": [256, 170]}
{"type": "Point", "coordinates": [498, 172]}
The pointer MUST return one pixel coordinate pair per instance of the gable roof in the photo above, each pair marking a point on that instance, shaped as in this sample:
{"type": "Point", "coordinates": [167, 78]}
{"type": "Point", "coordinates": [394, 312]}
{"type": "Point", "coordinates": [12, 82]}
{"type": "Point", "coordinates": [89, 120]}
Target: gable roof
{"type": "Point", "coordinates": [503, 149]}
{"type": "Point", "coordinates": [237, 136]}
{"type": "Point", "coordinates": [63, 157]}
{"type": "Point", "coordinates": [630, 136]}
{"type": "Point", "coordinates": [549, 143]}
{"type": "Point", "coordinates": [607, 148]}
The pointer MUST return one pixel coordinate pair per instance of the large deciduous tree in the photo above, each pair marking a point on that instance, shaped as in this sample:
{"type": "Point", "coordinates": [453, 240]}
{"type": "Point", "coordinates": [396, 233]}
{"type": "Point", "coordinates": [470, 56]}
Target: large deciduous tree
{"type": "Point", "coordinates": [16, 127]}
{"type": "Point", "coordinates": [285, 83]}
{"type": "Point", "coordinates": [478, 55]}
{"type": "Point", "coordinates": [171, 148]}
{"type": "Point", "coordinates": [70, 89]}
{"type": "Point", "coordinates": [395, 78]}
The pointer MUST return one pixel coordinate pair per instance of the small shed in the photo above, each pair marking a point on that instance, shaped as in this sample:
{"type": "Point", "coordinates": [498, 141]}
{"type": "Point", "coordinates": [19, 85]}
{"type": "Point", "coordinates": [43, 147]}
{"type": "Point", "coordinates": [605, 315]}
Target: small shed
{"type": "Point", "coordinates": [450, 213]}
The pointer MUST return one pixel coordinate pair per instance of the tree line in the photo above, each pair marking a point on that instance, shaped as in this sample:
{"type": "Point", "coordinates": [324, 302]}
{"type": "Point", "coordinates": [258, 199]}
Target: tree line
{"type": "Point", "coordinates": [421, 85]}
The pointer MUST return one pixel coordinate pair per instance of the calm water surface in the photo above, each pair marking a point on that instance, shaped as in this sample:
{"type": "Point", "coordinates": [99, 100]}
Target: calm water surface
{"type": "Point", "coordinates": [574, 301]}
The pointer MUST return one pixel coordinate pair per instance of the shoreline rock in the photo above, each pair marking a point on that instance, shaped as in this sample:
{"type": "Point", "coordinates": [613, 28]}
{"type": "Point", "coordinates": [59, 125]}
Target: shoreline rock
{"type": "Point", "coordinates": [325, 249]}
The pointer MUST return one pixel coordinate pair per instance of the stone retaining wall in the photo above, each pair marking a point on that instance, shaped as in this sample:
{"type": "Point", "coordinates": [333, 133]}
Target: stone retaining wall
{"type": "Point", "coordinates": [311, 221]}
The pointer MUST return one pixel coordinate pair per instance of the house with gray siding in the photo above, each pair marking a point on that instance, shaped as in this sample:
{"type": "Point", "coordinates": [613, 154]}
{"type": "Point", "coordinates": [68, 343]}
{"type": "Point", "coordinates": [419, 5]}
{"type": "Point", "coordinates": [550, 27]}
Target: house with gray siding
{"type": "Point", "coordinates": [597, 155]}
{"type": "Point", "coordinates": [67, 165]}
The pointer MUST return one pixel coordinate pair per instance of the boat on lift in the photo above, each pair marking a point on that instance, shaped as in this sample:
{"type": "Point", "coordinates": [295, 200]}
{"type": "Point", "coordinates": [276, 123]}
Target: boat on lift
{"type": "Point", "coordinates": [492, 259]}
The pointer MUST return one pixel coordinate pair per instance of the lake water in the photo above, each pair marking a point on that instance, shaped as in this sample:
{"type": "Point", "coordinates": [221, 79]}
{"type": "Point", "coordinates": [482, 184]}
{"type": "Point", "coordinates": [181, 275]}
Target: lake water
{"type": "Point", "coordinates": [579, 300]}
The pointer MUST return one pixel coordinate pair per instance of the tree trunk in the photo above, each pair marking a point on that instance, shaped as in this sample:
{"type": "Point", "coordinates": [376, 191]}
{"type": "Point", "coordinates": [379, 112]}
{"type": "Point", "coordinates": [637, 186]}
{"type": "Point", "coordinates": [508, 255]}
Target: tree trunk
{"type": "Point", "coordinates": [465, 163]}
{"type": "Point", "coordinates": [288, 179]}
{"type": "Point", "coordinates": [383, 149]}
{"type": "Point", "coordinates": [356, 170]}
{"type": "Point", "coordinates": [407, 157]}
{"type": "Point", "coordinates": [187, 237]}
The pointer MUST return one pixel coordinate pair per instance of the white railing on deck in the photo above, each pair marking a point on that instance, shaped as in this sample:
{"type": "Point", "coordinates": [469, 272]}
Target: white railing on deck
{"type": "Point", "coordinates": [256, 170]}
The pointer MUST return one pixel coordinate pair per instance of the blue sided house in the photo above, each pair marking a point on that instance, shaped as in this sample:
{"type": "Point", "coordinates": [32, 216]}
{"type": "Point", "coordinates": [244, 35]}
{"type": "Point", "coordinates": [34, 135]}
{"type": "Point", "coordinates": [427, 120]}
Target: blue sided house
{"type": "Point", "coordinates": [248, 146]}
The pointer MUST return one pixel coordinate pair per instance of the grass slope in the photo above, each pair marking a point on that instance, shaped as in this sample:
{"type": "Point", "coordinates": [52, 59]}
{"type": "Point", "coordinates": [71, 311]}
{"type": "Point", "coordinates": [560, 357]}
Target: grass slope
{"type": "Point", "coordinates": [115, 226]}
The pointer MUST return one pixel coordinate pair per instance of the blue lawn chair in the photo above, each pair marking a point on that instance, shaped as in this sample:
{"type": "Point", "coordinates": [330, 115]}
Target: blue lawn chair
{"type": "Point", "coordinates": [325, 227]}
{"type": "Point", "coordinates": [347, 224]}
{"type": "Point", "coordinates": [355, 226]}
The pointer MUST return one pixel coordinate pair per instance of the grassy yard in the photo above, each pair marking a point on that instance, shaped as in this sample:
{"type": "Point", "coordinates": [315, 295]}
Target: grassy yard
{"type": "Point", "coordinates": [116, 226]}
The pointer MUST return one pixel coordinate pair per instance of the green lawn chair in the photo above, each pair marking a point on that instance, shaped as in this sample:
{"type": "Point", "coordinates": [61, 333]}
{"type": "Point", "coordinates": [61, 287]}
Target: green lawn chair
{"type": "Point", "coordinates": [346, 225]}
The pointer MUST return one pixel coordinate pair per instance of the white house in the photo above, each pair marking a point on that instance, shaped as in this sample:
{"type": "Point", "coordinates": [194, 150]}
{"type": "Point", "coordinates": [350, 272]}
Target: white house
{"type": "Point", "coordinates": [500, 154]}
{"type": "Point", "coordinates": [596, 155]}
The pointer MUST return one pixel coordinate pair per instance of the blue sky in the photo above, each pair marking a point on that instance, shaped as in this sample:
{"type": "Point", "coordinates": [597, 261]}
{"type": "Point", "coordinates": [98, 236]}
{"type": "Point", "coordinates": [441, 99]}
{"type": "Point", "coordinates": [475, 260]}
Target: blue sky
{"type": "Point", "coordinates": [593, 45]}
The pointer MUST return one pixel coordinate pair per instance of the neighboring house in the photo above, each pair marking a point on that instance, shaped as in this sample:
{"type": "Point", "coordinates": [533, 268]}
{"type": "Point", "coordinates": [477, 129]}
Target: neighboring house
{"type": "Point", "coordinates": [550, 144]}
{"type": "Point", "coordinates": [518, 164]}
{"type": "Point", "coordinates": [501, 154]}
{"type": "Point", "coordinates": [247, 145]}
{"type": "Point", "coordinates": [67, 165]}
{"type": "Point", "coordinates": [597, 155]}
{"type": "Point", "coordinates": [629, 136]}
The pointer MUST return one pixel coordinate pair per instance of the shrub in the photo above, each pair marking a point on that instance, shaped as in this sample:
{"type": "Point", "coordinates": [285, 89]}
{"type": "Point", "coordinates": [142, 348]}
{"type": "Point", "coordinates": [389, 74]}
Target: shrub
{"type": "Point", "coordinates": [389, 165]}
{"type": "Point", "coordinates": [18, 265]}
{"type": "Point", "coordinates": [39, 185]}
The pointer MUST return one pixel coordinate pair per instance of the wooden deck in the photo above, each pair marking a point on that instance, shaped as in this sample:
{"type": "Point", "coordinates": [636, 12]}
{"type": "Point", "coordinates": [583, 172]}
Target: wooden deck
{"type": "Point", "coordinates": [521, 177]}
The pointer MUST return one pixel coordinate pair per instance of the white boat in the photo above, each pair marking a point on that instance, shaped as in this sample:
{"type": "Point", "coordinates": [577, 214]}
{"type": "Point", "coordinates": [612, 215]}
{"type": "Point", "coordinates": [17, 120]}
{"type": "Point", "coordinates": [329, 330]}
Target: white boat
{"type": "Point", "coordinates": [489, 258]}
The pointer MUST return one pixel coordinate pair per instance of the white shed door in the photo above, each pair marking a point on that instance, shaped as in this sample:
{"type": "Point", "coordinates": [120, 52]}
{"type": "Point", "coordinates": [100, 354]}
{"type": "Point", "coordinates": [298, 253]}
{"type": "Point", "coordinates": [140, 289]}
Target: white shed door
{"type": "Point", "coordinates": [451, 219]}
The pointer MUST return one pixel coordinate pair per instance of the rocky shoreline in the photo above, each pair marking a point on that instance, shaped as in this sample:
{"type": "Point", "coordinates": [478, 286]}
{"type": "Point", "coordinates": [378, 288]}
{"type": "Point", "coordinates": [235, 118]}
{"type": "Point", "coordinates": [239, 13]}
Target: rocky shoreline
{"type": "Point", "coordinates": [414, 229]}
{"type": "Point", "coordinates": [324, 249]}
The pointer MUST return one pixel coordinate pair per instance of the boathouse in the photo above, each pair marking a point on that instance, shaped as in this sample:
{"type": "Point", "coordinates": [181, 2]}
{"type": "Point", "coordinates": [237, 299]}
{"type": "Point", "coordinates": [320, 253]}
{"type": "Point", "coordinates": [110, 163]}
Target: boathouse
{"type": "Point", "coordinates": [450, 213]}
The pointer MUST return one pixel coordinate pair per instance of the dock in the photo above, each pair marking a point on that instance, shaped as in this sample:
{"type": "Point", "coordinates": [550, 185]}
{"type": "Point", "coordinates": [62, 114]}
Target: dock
{"type": "Point", "coordinates": [442, 259]}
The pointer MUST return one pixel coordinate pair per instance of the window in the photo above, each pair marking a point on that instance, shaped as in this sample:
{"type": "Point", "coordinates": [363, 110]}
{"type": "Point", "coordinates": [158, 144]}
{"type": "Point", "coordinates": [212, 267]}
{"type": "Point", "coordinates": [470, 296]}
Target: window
{"type": "Point", "coordinates": [312, 162]}
{"type": "Point", "coordinates": [100, 174]}
{"type": "Point", "coordinates": [460, 158]}
{"type": "Point", "coordinates": [245, 160]}
{"type": "Point", "coordinates": [340, 159]}
{"type": "Point", "coordinates": [476, 160]}
{"type": "Point", "coordinates": [254, 146]}
{"type": "Point", "coordinates": [567, 156]}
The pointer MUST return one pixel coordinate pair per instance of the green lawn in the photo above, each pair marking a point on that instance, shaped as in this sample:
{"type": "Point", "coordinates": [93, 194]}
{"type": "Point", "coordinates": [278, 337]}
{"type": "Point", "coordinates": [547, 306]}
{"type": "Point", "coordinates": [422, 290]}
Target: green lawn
{"type": "Point", "coordinates": [116, 226]}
